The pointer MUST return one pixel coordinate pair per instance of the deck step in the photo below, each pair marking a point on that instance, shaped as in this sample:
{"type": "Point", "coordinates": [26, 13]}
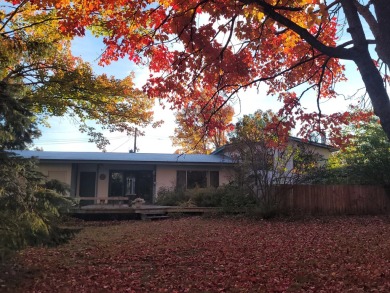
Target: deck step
{"type": "Point", "coordinates": [153, 217]}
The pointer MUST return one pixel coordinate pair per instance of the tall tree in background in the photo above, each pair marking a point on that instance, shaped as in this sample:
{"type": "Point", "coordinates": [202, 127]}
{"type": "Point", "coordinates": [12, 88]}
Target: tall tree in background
{"type": "Point", "coordinates": [365, 160]}
{"type": "Point", "coordinates": [209, 129]}
{"type": "Point", "coordinates": [231, 45]}
{"type": "Point", "coordinates": [40, 78]}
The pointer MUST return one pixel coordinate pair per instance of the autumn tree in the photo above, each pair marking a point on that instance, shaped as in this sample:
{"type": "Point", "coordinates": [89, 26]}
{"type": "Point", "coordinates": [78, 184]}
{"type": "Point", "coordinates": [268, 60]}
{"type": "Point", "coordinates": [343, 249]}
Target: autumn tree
{"type": "Point", "coordinates": [40, 78]}
{"type": "Point", "coordinates": [200, 127]}
{"type": "Point", "coordinates": [232, 45]}
{"type": "Point", "coordinates": [268, 163]}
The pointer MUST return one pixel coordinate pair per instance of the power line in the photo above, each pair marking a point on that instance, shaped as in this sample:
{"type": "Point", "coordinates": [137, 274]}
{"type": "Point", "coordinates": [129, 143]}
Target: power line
{"type": "Point", "coordinates": [128, 140]}
{"type": "Point", "coordinates": [72, 140]}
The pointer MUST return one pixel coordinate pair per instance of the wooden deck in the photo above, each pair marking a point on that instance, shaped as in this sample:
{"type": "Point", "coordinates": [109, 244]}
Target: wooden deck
{"type": "Point", "coordinates": [123, 209]}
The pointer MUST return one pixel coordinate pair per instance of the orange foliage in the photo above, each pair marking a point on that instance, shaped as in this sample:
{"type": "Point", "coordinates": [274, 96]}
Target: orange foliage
{"type": "Point", "coordinates": [221, 46]}
{"type": "Point", "coordinates": [203, 124]}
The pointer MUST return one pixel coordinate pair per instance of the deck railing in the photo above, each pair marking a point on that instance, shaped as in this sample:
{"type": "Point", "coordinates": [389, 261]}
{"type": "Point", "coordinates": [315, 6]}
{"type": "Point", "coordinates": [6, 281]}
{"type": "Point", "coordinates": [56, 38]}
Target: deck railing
{"type": "Point", "coordinates": [101, 199]}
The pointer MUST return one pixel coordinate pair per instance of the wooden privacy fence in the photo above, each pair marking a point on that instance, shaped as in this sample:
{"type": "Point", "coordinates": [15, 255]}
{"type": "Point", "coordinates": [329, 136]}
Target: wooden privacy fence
{"type": "Point", "coordinates": [337, 199]}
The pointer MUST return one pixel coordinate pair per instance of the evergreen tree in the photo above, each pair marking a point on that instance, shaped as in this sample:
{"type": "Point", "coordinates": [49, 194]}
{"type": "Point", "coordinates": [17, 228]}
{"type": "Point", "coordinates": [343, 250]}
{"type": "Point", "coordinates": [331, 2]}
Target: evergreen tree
{"type": "Point", "coordinates": [17, 122]}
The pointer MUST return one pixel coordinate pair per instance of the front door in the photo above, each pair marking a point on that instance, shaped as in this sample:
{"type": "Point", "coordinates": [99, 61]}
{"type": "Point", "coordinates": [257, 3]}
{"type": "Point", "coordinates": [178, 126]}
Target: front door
{"type": "Point", "coordinates": [87, 186]}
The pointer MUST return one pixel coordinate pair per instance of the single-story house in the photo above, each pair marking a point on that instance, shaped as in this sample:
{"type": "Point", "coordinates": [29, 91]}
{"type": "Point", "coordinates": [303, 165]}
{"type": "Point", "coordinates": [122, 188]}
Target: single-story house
{"type": "Point", "coordinates": [101, 174]}
{"type": "Point", "coordinates": [104, 175]}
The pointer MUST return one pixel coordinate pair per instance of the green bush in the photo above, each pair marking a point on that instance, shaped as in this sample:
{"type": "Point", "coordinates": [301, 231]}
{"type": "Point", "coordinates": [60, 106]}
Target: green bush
{"type": "Point", "coordinates": [230, 198]}
{"type": "Point", "coordinates": [205, 197]}
{"type": "Point", "coordinates": [171, 197]}
{"type": "Point", "coordinates": [236, 199]}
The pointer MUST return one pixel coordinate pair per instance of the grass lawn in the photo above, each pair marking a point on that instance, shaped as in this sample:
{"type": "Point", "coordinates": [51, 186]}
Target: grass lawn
{"type": "Point", "coordinates": [212, 255]}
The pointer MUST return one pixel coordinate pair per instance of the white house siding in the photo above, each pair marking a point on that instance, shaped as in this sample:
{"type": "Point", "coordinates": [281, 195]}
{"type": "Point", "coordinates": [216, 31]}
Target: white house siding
{"type": "Point", "coordinates": [325, 153]}
{"type": "Point", "coordinates": [165, 177]}
{"type": "Point", "coordinates": [61, 172]}
{"type": "Point", "coordinates": [226, 175]}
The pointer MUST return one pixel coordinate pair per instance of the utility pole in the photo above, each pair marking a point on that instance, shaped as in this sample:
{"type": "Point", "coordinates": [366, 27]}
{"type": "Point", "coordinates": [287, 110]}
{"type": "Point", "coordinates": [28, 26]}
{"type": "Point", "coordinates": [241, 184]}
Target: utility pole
{"type": "Point", "coordinates": [135, 140]}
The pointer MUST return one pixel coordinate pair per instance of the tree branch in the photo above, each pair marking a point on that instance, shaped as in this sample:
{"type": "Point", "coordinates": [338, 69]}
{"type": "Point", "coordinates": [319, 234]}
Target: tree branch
{"type": "Point", "coordinates": [365, 12]}
{"type": "Point", "coordinates": [270, 10]}
{"type": "Point", "coordinates": [30, 25]}
{"type": "Point", "coordinates": [13, 14]}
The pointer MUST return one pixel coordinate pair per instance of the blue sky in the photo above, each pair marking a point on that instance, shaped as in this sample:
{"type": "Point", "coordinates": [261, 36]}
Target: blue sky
{"type": "Point", "coordinates": [63, 135]}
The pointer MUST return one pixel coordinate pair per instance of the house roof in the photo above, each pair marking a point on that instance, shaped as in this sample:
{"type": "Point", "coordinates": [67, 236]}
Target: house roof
{"type": "Point", "coordinates": [220, 150]}
{"type": "Point", "coordinates": [313, 143]}
{"type": "Point", "coordinates": [126, 157]}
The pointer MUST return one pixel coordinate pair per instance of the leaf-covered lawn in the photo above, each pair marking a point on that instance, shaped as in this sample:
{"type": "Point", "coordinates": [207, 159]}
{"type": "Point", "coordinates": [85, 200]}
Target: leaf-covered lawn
{"type": "Point", "coordinates": [214, 255]}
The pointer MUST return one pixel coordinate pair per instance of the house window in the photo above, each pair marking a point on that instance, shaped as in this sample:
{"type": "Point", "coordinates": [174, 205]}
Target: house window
{"type": "Point", "coordinates": [132, 184]}
{"type": "Point", "coordinates": [196, 179]}
{"type": "Point", "coordinates": [214, 178]}
{"type": "Point", "coordinates": [116, 184]}
{"type": "Point", "coordinates": [192, 179]}
{"type": "Point", "coordinates": [181, 182]}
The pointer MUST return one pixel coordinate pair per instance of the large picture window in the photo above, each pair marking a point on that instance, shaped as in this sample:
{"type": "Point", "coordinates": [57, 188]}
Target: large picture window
{"type": "Point", "coordinates": [132, 184]}
{"type": "Point", "coordinates": [197, 179]}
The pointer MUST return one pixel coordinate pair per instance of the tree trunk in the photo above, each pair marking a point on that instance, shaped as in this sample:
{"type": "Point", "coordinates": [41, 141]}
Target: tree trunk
{"type": "Point", "coordinates": [382, 11]}
{"type": "Point", "coordinates": [370, 74]}
{"type": "Point", "coordinates": [376, 90]}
